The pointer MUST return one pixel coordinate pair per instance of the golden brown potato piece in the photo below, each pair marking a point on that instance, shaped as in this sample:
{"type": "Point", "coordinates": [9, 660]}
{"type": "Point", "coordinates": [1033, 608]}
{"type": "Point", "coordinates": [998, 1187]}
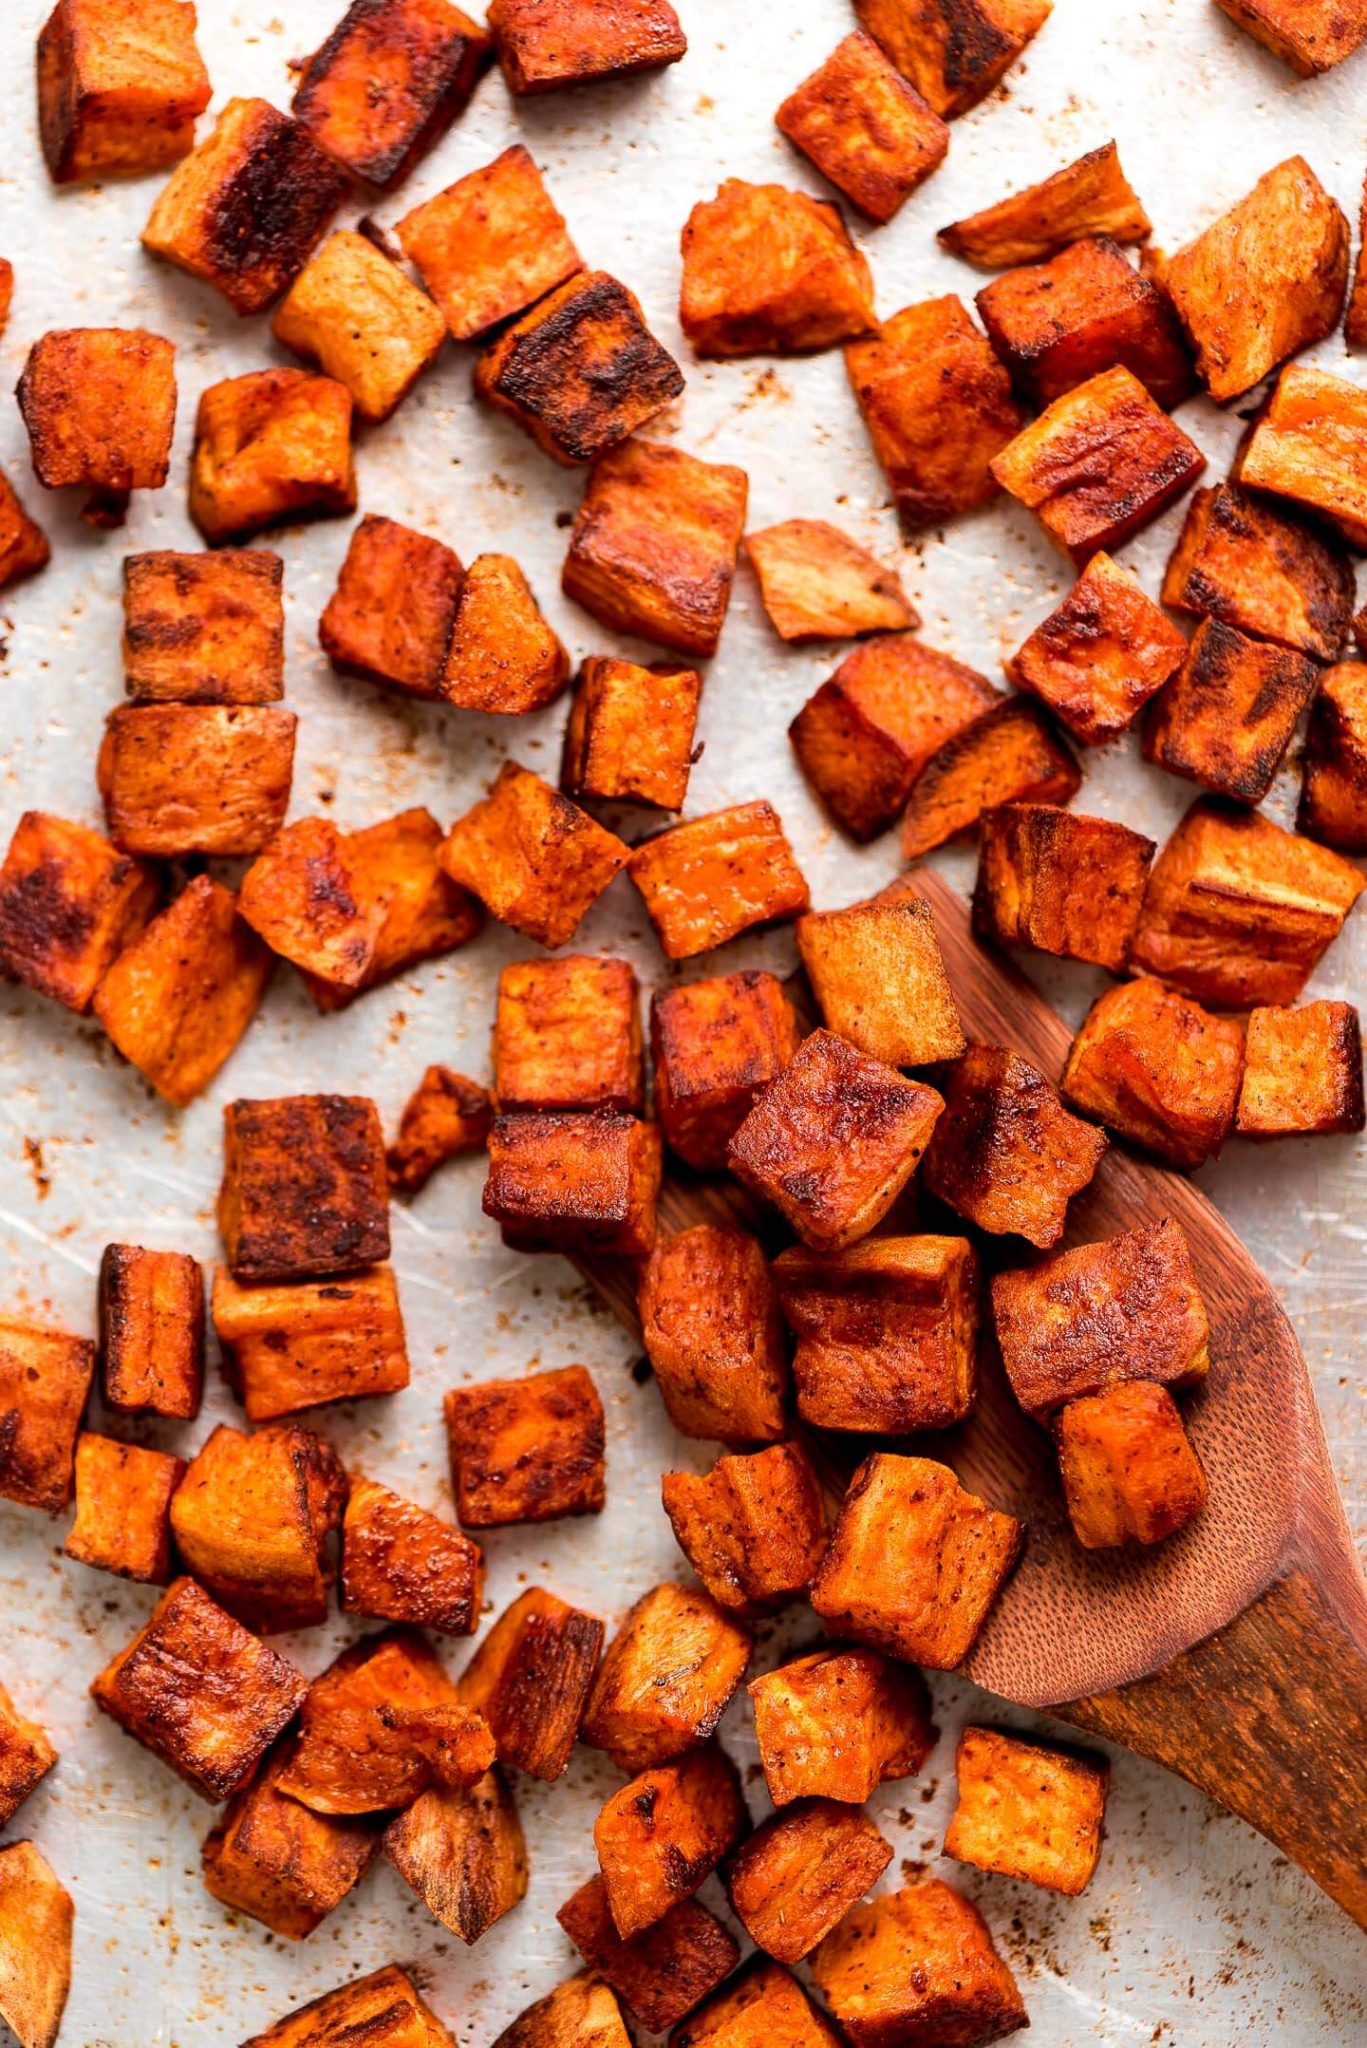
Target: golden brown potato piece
{"type": "Point", "coordinates": [312, 899]}
{"type": "Point", "coordinates": [918, 1966]}
{"type": "Point", "coordinates": [711, 1327]}
{"type": "Point", "coordinates": [580, 2013]}
{"type": "Point", "coordinates": [26, 1757]}
{"type": "Point", "coordinates": [44, 1383]}
{"type": "Point", "coordinates": [661, 1974]}
{"type": "Point", "coordinates": [1123, 1309]}
{"type": "Point", "coordinates": [425, 914]}
{"type": "Point", "coordinates": [304, 1193]}
{"type": "Point", "coordinates": [503, 655]}
{"type": "Point", "coordinates": [463, 1854]}
{"type": "Point", "coordinates": [355, 313]}
{"type": "Point", "coordinates": [151, 1332]}
{"type": "Point", "coordinates": [23, 544]}
{"type": "Point", "coordinates": [1238, 911]}
{"type": "Point", "coordinates": [653, 550]}
{"type": "Point", "coordinates": [388, 82]}
{"type": "Point", "coordinates": [123, 1501]}
{"type": "Point", "coordinates": [798, 1874]}
{"type": "Point", "coordinates": [276, 1861]}
{"type": "Point", "coordinates": [1302, 1072]}
{"type": "Point", "coordinates": [527, 1450]}
{"type": "Point", "coordinates": [1060, 882]}
{"type": "Point", "coordinates": [1058, 323]}
{"type": "Point", "coordinates": [1130, 1474]}
{"type": "Point", "coordinates": [1158, 1069]}
{"type": "Point", "coordinates": [879, 978]}
{"type": "Point", "coordinates": [273, 445]}
{"type": "Point", "coordinates": [1090, 197]}
{"type": "Point", "coordinates": [1226, 718]}
{"type": "Point", "coordinates": [915, 1563]}
{"type": "Point", "coordinates": [865, 128]}
{"type": "Point", "coordinates": [288, 1348]}
{"type": "Point", "coordinates": [768, 271]}
{"type": "Point", "coordinates": [1011, 754]}
{"type": "Point", "coordinates": [1264, 281]}
{"type": "Point", "coordinates": [36, 1919]}
{"type": "Point", "coordinates": [762, 2003]}
{"type": "Point", "coordinates": [753, 1528]}
{"type": "Point", "coordinates": [1310, 447]}
{"type": "Point", "coordinates": [1249, 565]}
{"type": "Point", "coordinates": [567, 1035]}
{"type": "Point", "coordinates": [818, 584]}
{"type": "Point", "coordinates": [69, 905]}
{"type": "Point", "coordinates": [534, 859]}
{"type": "Point", "coordinates": [530, 1679]}
{"type": "Point", "coordinates": [1028, 1809]}
{"type": "Point", "coordinates": [445, 1116]}
{"type": "Point", "coordinates": [665, 1680]}
{"type": "Point", "coordinates": [246, 209]}
{"type": "Point", "coordinates": [708, 880]}
{"type": "Point", "coordinates": [714, 1044]}
{"type": "Point", "coordinates": [196, 778]}
{"type": "Point", "coordinates": [1355, 319]}
{"type": "Point", "coordinates": [204, 629]}
{"type": "Point", "coordinates": [1333, 805]}
{"type": "Point", "coordinates": [629, 736]}
{"type": "Point", "coordinates": [1101, 654]}
{"type": "Point", "coordinates": [252, 1518]}
{"type": "Point", "coordinates": [575, 1180]}
{"type": "Point", "coordinates": [119, 87]}
{"type": "Point", "coordinates": [99, 404]}
{"type": "Point", "coordinates": [1309, 35]}
{"type": "Point", "coordinates": [1005, 1154]}
{"type": "Point", "coordinates": [401, 1564]}
{"type": "Point", "coordinates": [938, 407]}
{"type": "Point", "coordinates": [953, 51]}
{"type": "Point", "coordinates": [662, 1834]}
{"type": "Point", "coordinates": [201, 1692]}
{"type": "Point", "coordinates": [838, 1723]}
{"type": "Point", "coordinates": [391, 614]}
{"type": "Point", "coordinates": [383, 2010]}
{"type": "Point", "coordinates": [546, 44]}
{"type": "Point", "coordinates": [490, 245]}
{"type": "Point", "coordinates": [834, 1140]}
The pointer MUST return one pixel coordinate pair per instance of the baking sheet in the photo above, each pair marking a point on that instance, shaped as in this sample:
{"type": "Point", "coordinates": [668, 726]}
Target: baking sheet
{"type": "Point", "coordinates": [1194, 1931]}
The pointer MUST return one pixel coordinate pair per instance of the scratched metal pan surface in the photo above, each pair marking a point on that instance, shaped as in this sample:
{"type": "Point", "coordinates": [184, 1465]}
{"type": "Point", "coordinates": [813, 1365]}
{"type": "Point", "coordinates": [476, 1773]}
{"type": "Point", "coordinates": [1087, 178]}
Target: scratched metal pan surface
{"type": "Point", "coordinates": [1194, 1931]}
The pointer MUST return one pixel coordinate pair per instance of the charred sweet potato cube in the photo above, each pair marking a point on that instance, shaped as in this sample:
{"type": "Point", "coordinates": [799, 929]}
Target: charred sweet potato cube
{"type": "Point", "coordinates": [1028, 1809]}
{"type": "Point", "coordinates": [123, 1500]}
{"type": "Point", "coordinates": [1101, 654]}
{"type": "Point", "coordinates": [23, 544]}
{"type": "Point", "coordinates": [660, 1836]}
{"type": "Point", "coordinates": [753, 1528]}
{"type": "Point", "coordinates": [388, 82]}
{"type": "Point", "coordinates": [503, 655]}
{"type": "Point", "coordinates": [916, 1562]}
{"type": "Point", "coordinates": [581, 2013]}
{"type": "Point", "coordinates": [401, 1564]}
{"type": "Point", "coordinates": [546, 44]}
{"type": "Point", "coordinates": [918, 1966]}
{"type": "Point", "coordinates": [567, 1035]}
{"type": "Point", "coordinates": [580, 370]}
{"type": "Point", "coordinates": [878, 975]}
{"type": "Point", "coordinates": [272, 445]}
{"type": "Point", "coordinates": [1302, 1072]}
{"type": "Point", "coordinates": [762, 2002]}
{"type": "Point", "coordinates": [1310, 447]}
{"type": "Point", "coordinates": [534, 859]}
{"type": "Point", "coordinates": [201, 1692]}
{"type": "Point", "coordinates": [304, 1193]}
{"type": "Point", "coordinates": [1058, 323]}
{"type": "Point", "coordinates": [953, 51]}
{"type": "Point", "coordinates": [530, 1679]}
{"type": "Point", "coordinates": [1355, 319]}
{"type": "Point", "coordinates": [1130, 1474]}
{"type": "Point", "coordinates": [1060, 882]}
{"type": "Point", "coordinates": [527, 1450]}
{"type": "Point", "coordinates": [383, 2009]}
{"type": "Point", "coordinates": [629, 737]}
{"type": "Point", "coordinates": [1255, 567]}
{"type": "Point", "coordinates": [119, 86]}
{"type": "Point", "coordinates": [69, 904]}
{"type": "Point", "coordinates": [712, 1331]}
{"type": "Point", "coordinates": [938, 406]}
{"type": "Point", "coordinates": [1158, 1069]}
{"type": "Point", "coordinates": [1309, 35]}
{"type": "Point", "coordinates": [653, 550]}
{"type": "Point", "coordinates": [312, 898]}
{"type": "Point", "coordinates": [661, 1974]}
{"type": "Point", "coordinates": [287, 1348]}
{"type": "Point", "coordinates": [1101, 463]}
{"type": "Point", "coordinates": [490, 245]}
{"type": "Point", "coordinates": [1264, 281]}
{"type": "Point", "coordinates": [44, 1381]}
{"type": "Point", "coordinates": [463, 1854]}
{"type": "Point", "coordinates": [1006, 1155]}
{"type": "Point", "coordinates": [151, 1332]}
{"type": "Point", "coordinates": [362, 320]}
{"type": "Point", "coordinates": [196, 778]}
{"type": "Point", "coordinates": [1011, 754]}
{"type": "Point", "coordinates": [574, 1180]}
{"type": "Point", "coordinates": [665, 1680]}
{"type": "Point", "coordinates": [204, 629]}
{"type": "Point", "coordinates": [1079, 1322]}
{"type": "Point", "coordinates": [445, 1116]}
{"type": "Point", "coordinates": [798, 1874]}
{"type": "Point", "coordinates": [99, 404]}
{"type": "Point", "coordinates": [391, 615]}
{"type": "Point", "coordinates": [246, 209]}
{"type": "Point", "coordinates": [834, 1140]}
{"type": "Point", "coordinates": [425, 914]}
{"type": "Point", "coordinates": [818, 584]}
{"type": "Point", "coordinates": [838, 1723]}
{"type": "Point", "coordinates": [26, 1757]}
{"type": "Point", "coordinates": [1238, 911]}
{"type": "Point", "coordinates": [768, 271]}
{"type": "Point", "coordinates": [252, 1518]}
{"type": "Point", "coordinates": [714, 1044]}
{"type": "Point", "coordinates": [1090, 197]}
{"type": "Point", "coordinates": [1227, 716]}
{"type": "Point", "coordinates": [1333, 806]}
{"type": "Point", "coordinates": [864, 127]}
{"type": "Point", "coordinates": [280, 1863]}
{"type": "Point", "coordinates": [708, 880]}
{"type": "Point", "coordinates": [36, 1919]}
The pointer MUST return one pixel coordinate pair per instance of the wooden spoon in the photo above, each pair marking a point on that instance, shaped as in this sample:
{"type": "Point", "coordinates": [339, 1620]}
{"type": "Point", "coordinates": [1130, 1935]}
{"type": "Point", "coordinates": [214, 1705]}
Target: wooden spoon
{"type": "Point", "coordinates": [1235, 1653]}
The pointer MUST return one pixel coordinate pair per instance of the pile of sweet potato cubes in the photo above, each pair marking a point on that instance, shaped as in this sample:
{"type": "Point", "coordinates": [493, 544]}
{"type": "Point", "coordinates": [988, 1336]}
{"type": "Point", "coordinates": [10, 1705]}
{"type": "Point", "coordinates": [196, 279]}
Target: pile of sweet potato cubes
{"type": "Point", "coordinates": [822, 1098]}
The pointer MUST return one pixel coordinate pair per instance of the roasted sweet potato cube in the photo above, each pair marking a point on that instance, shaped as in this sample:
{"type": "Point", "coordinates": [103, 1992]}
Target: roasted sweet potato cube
{"type": "Point", "coordinates": [123, 1501]}
{"type": "Point", "coordinates": [1130, 1474]}
{"type": "Point", "coordinates": [287, 1348]}
{"type": "Point", "coordinates": [938, 407]}
{"type": "Point", "coordinates": [69, 904]}
{"type": "Point", "coordinates": [1238, 911]}
{"type": "Point", "coordinates": [36, 1919]}
{"type": "Point", "coordinates": [574, 1180]}
{"type": "Point", "coordinates": [445, 1116]}
{"type": "Point", "coordinates": [44, 1381]}
{"type": "Point", "coordinates": [1255, 567]}
{"type": "Point", "coordinates": [762, 2002]}
{"type": "Point", "coordinates": [26, 1757]}
{"type": "Point", "coordinates": [1310, 447]}
{"type": "Point", "coordinates": [527, 1450]}
{"type": "Point", "coordinates": [629, 737]}
{"type": "Point", "coordinates": [272, 445]}
{"type": "Point", "coordinates": [666, 1680]}
{"type": "Point", "coordinates": [204, 629]}
{"type": "Point", "coordinates": [834, 1140]}
{"type": "Point", "coordinates": [769, 271]}
{"type": "Point", "coordinates": [280, 1863]}
{"type": "Point", "coordinates": [1006, 1155]}
{"type": "Point", "coordinates": [661, 1974]}
{"type": "Point", "coordinates": [503, 655]}
{"type": "Point", "coordinates": [391, 614]}
{"type": "Point", "coordinates": [388, 82]}
{"type": "Point", "coordinates": [1012, 754]}
{"type": "Point", "coordinates": [864, 127]}
{"type": "Point", "coordinates": [916, 1562]}
{"type": "Point", "coordinates": [304, 1193]}
{"type": "Point", "coordinates": [1090, 197]}
{"type": "Point", "coordinates": [99, 404]}
{"type": "Point", "coordinates": [119, 87]}
{"type": "Point", "coordinates": [490, 245]}
{"type": "Point", "coordinates": [661, 1835]}
{"type": "Point", "coordinates": [1302, 1072]}
{"type": "Point", "coordinates": [361, 319]}
{"type": "Point", "coordinates": [1101, 463]}
{"type": "Point", "coordinates": [151, 1332]}
{"type": "Point", "coordinates": [708, 880]}
{"type": "Point", "coordinates": [23, 544]}
{"type": "Point", "coordinates": [246, 209]}
{"type": "Point", "coordinates": [818, 584]}
{"type": "Point", "coordinates": [838, 1723]}
{"type": "Point", "coordinates": [1309, 35]}
{"type": "Point", "coordinates": [1028, 1809]}
{"type": "Point", "coordinates": [653, 550]}
{"type": "Point", "coordinates": [753, 1528]}
{"type": "Point", "coordinates": [1058, 323]}
{"type": "Point", "coordinates": [1264, 281]}
{"type": "Point", "coordinates": [1333, 805]}
{"type": "Point", "coordinates": [252, 1518]}
{"type": "Point", "coordinates": [918, 1966]}
{"type": "Point", "coordinates": [1101, 654]}
{"type": "Point", "coordinates": [1060, 882]}
{"type": "Point", "coordinates": [567, 1035]}
{"type": "Point", "coordinates": [425, 914]}
{"type": "Point", "coordinates": [714, 1044]}
{"type": "Point", "coordinates": [196, 778]}
{"type": "Point", "coordinates": [953, 51]}
{"type": "Point", "coordinates": [534, 859]}
{"type": "Point", "coordinates": [710, 1321]}
{"type": "Point", "coordinates": [1126, 1308]}
{"type": "Point", "coordinates": [400, 1563]}
{"type": "Point", "coordinates": [546, 44]}
{"type": "Point", "coordinates": [798, 1874]}
{"type": "Point", "coordinates": [201, 1692]}
{"type": "Point", "coordinates": [1227, 716]}
{"type": "Point", "coordinates": [1158, 1069]}
{"type": "Point", "coordinates": [463, 1854]}
{"type": "Point", "coordinates": [878, 975]}
{"type": "Point", "coordinates": [530, 1679]}
{"type": "Point", "coordinates": [314, 900]}
{"type": "Point", "coordinates": [581, 2013]}
{"type": "Point", "coordinates": [1355, 319]}
{"type": "Point", "coordinates": [383, 2009]}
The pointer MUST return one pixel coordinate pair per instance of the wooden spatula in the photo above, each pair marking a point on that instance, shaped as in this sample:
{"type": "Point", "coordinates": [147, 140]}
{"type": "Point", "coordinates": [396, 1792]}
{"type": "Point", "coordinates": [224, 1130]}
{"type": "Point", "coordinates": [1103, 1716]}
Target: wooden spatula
{"type": "Point", "coordinates": [1236, 1653]}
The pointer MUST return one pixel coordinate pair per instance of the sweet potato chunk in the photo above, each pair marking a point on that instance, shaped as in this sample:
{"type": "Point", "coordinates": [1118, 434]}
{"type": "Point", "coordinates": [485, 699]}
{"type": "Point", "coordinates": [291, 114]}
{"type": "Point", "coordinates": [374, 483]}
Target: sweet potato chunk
{"type": "Point", "coordinates": [938, 407]}
{"type": "Point", "coordinates": [1355, 319]}
{"type": "Point", "coordinates": [762, 2003]}
{"type": "Point", "coordinates": [753, 1528]}
{"type": "Point", "coordinates": [276, 1861]}
{"type": "Point", "coordinates": [1006, 1155]}
{"type": "Point", "coordinates": [1309, 35]}
{"type": "Point", "coordinates": [391, 615]}
{"type": "Point", "coordinates": [1302, 1072]}
{"type": "Point", "coordinates": [1251, 566]}
{"type": "Point", "coordinates": [707, 881]}
{"type": "Point", "coordinates": [1028, 1809]}
{"type": "Point", "coordinates": [834, 1140]}
{"type": "Point", "coordinates": [1079, 1322]}
{"type": "Point", "coordinates": [534, 859]}
{"type": "Point", "coordinates": [567, 1035]}
{"type": "Point", "coordinates": [383, 2010]}
{"type": "Point", "coordinates": [26, 1757]}
{"type": "Point", "coordinates": [1060, 882]}
{"type": "Point", "coordinates": [1333, 806]}
{"type": "Point", "coordinates": [878, 975]}
{"type": "Point", "coordinates": [629, 737]}
{"type": "Point", "coordinates": [1011, 754]}
{"type": "Point", "coordinates": [768, 271]}
{"type": "Point", "coordinates": [661, 1835]}
{"type": "Point", "coordinates": [710, 1321]}
{"type": "Point", "coordinates": [953, 51]}
{"type": "Point", "coordinates": [69, 904]}
{"type": "Point", "coordinates": [273, 445]}
{"type": "Point", "coordinates": [388, 82]}
{"type": "Point", "coordinates": [310, 897]}
{"type": "Point", "coordinates": [119, 87]}
{"type": "Point", "coordinates": [463, 1854]}
{"type": "Point", "coordinates": [123, 1500]}
{"type": "Point", "coordinates": [527, 1450]}
{"type": "Point", "coordinates": [23, 544]}
{"type": "Point", "coordinates": [424, 915]}
{"type": "Point", "coordinates": [581, 2013]}
{"type": "Point", "coordinates": [572, 1180]}
{"type": "Point", "coordinates": [1226, 718]}
{"type": "Point", "coordinates": [714, 1044]}
{"type": "Point", "coordinates": [490, 245]}
{"type": "Point", "coordinates": [401, 1564]}
{"type": "Point", "coordinates": [44, 1382]}
{"type": "Point", "coordinates": [916, 1562]}
{"type": "Point", "coordinates": [665, 1680]}
{"type": "Point", "coordinates": [287, 1348]}
{"type": "Point", "coordinates": [99, 404]}
{"type": "Point", "coordinates": [1090, 197]}
{"type": "Point", "coordinates": [1129, 1472]}
{"type": "Point", "coordinates": [865, 128]}
{"type": "Point", "coordinates": [355, 313]}
{"type": "Point", "coordinates": [918, 1966]}
{"type": "Point", "coordinates": [1058, 323]}
{"type": "Point", "coordinates": [546, 44]}
{"type": "Point", "coordinates": [795, 1877]}
{"type": "Point", "coordinates": [36, 1919]}
{"type": "Point", "coordinates": [661, 1974]}
{"type": "Point", "coordinates": [196, 778]}
{"type": "Point", "coordinates": [653, 550]}
{"type": "Point", "coordinates": [1157, 1068]}
{"type": "Point", "coordinates": [1310, 447]}
{"type": "Point", "coordinates": [151, 1332]}
{"type": "Point", "coordinates": [201, 1692]}
{"type": "Point", "coordinates": [818, 584]}
{"type": "Point", "coordinates": [304, 1193]}
{"type": "Point", "coordinates": [530, 1679]}
{"type": "Point", "coordinates": [503, 655]}
{"type": "Point", "coordinates": [1264, 281]}
{"type": "Point", "coordinates": [837, 1723]}
{"type": "Point", "coordinates": [445, 1116]}
{"type": "Point", "coordinates": [245, 211]}
{"type": "Point", "coordinates": [252, 1518]}
{"type": "Point", "coordinates": [1101, 654]}
{"type": "Point", "coordinates": [204, 629]}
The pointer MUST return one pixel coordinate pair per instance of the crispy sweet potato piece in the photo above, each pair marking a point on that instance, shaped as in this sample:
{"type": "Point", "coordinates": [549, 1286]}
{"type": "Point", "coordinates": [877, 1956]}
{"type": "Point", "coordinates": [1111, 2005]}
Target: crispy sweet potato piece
{"type": "Point", "coordinates": [204, 629]}
{"type": "Point", "coordinates": [44, 1382]}
{"type": "Point", "coordinates": [1090, 197]}
{"type": "Point", "coordinates": [1011, 754]}
{"type": "Point", "coordinates": [1126, 1308]}
{"type": "Point", "coordinates": [36, 1918]}
{"type": "Point", "coordinates": [388, 82]}
{"type": "Point", "coordinates": [304, 1193]}
{"type": "Point", "coordinates": [710, 1322]}
{"type": "Point", "coordinates": [196, 778]}
{"type": "Point", "coordinates": [798, 1874]}
{"type": "Point", "coordinates": [768, 271]}
{"type": "Point", "coordinates": [463, 1854]}
{"type": "Point", "coordinates": [753, 1528]}
{"type": "Point", "coordinates": [391, 614]}
{"type": "Point", "coordinates": [1058, 323]}
{"type": "Point", "coordinates": [661, 1974]}
{"type": "Point", "coordinates": [123, 1500]}
{"type": "Point", "coordinates": [280, 1863]}
{"type": "Point", "coordinates": [383, 2010]}
{"type": "Point", "coordinates": [918, 1966]}
{"type": "Point", "coordinates": [26, 1757]}
{"type": "Point", "coordinates": [564, 1180]}
{"type": "Point", "coordinates": [527, 1450]}
{"type": "Point", "coordinates": [818, 584]}
{"type": "Point", "coordinates": [1130, 1474]}
{"type": "Point", "coordinates": [69, 904]}
{"type": "Point", "coordinates": [1309, 35]}
{"type": "Point", "coordinates": [1355, 319]}
{"type": "Point", "coordinates": [401, 1564]}
{"type": "Point", "coordinates": [1310, 447]}
{"type": "Point", "coordinates": [362, 320]}
{"type": "Point", "coordinates": [310, 897]}
{"type": "Point", "coordinates": [530, 1679]}
{"type": "Point", "coordinates": [99, 404]}
{"type": "Point", "coordinates": [762, 2003]}
{"type": "Point", "coordinates": [1101, 654]}
{"type": "Point", "coordinates": [567, 1035]}
{"type": "Point", "coordinates": [270, 446]}
{"type": "Point", "coordinates": [151, 1332]}
{"type": "Point", "coordinates": [288, 1348]}
{"type": "Point", "coordinates": [629, 736]}
{"type": "Point", "coordinates": [953, 51]}
{"type": "Point", "coordinates": [490, 245]}
{"type": "Point", "coordinates": [445, 1116]}
{"type": "Point", "coordinates": [879, 978]}
{"type": "Point", "coordinates": [1252, 566]}
{"type": "Point", "coordinates": [425, 914]}
{"type": "Point", "coordinates": [534, 859]}
{"type": "Point", "coordinates": [1029, 1809]}
{"type": "Point", "coordinates": [1157, 1068]}
{"type": "Point", "coordinates": [864, 127]}
{"type": "Point", "coordinates": [1060, 882]}
{"type": "Point", "coordinates": [1226, 718]}
{"type": "Point", "coordinates": [661, 1835]}
{"type": "Point", "coordinates": [708, 880]}
{"type": "Point", "coordinates": [837, 1723]}
{"type": "Point", "coordinates": [252, 1517]}
{"type": "Point", "coordinates": [1005, 1154]}
{"type": "Point", "coordinates": [665, 1680]}
{"type": "Point", "coordinates": [503, 654]}
{"type": "Point", "coordinates": [546, 44]}
{"type": "Point", "coordinates": [119, 86]}
{"type": "Point", "coordinates": [1302, 1072]}
{"type": "Point", "coordinates": [1333, 805]}
{"type": "Point", "coordinates": [714, 1044]}
{"type": "Point", "coordinates": [23, 544]}
{"type": "Point", "coordinates": [580, 2013]}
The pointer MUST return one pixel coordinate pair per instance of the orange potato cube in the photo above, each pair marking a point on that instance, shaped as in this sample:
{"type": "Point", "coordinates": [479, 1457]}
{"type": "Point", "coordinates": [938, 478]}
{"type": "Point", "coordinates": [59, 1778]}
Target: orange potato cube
{"type": "Point", "coordinates": [864, 128]}
{"type": "Point", "coordinates": [1011, 754]}
{"type": "Point", "coordinates": [312, 899]}
{"type": "Point", "coordinates": [879, 978]}
{"type": "Point", "coordinates": [304, 1193]}
{"type": "Point", "coordinates": [362, 320]}
{"type": "Point", "coordinates": [818, 584]}
{"type": "Point", "coordinates": [463, 1853]}
{"type": "Point", "coordinates": [251, 1519]}
{"type": "Point", "coordinates": [579, 1180]}
{"type": "Point", "coordinates": [1333, 805]}
{"type": "Point", "coordinates": [1355, 319]}
{"type": "Point", "coordinates": [196, 778]}
{"type": "Point", "coordinates": [1302, 1072]}
{"type": "Point", "coordinates": [391, 615]}
{"type": "Point", "coordinates": [44, 1383]}
{"type": "Point", "coordinates": [666, 1680]}
{"type": "Point", "coordinates": [1058, 323]}
{"type": "Point", "coordinates": [26, 1757]}
{"type": "Point", "coordinates": [388, 82]}
{"type": "Point", "coordinates": [761, 2003]}
{"type": "Point", "coordinates": [767, 271]}
{"type": "Point", "coordinates": [1089, 197]}
{"type": "Point", "coordinates": [581, 2013]}
{"type": "Point", "coordinates": [401, 1564]}
{"type": "Point", "coordinates": [838, 1723]}
{"type": "Point", "coordinates": [567, 1035]}
{"type": "Point", "coordinates": [1251, 566]}
{"type": "Point", "coordinates": [798, 1874]}
{"type": "Point", "coordinates": [953, 51]}
{"type": "Point", "coordinates": [711, 1327]}
{"type": "Point", "coordinates": [503, 655]}
{"type": "Point", "coordinates": [123, 1501]}
{"type": "Point", "coordinates": [119, 87]}
{"type": "Point", "coordinates": [204, 629]}
{"type": "Point", "coordinates": [534, 859]}
{"type": "Point", "coordinates": [69, 904]}
{"type": "Point", "coordinates": [916, 1562]}
{"type": "Point", "coordinates": [915, 1967]}
{"type": "Point", "coordinates": [288, 1348]}
{"type": "Point", "coordinates": [1130, 1474]}
{"type": "Point", "coordinates": [1309, 35]}
{"type": "Point", "coordinates": [546, 44]}
{"type": "Point", "coordinates": [753, 1528]}
{"type": "Point", "coordinates": [151, 1332]}
{"type": "Point", "coordinates": [99, 404]}
{"type": "Point", "coordinates": [711, 879]}
{"type": "Point", "coordinates": [276, 1861]}
{"type": "Point", "coordinates": [1310, 447]}
{"type": "Point", "coordinates": [661, 1974]}
{"type": "Point", "coordinates": [528, 1450]}
{"type": "Point", "coordinates": [1006, 1155]}
{"type": "Point", "coordinates": [1101, 654]}
{"type": "Point", "coordinates": [629, 737]}
{"type": "Point", "coordinates": [661, 1835]}
{"type": "Point", "coordinates": [1031, 1810]}
{"type": "Point", "coordinates": [1084, 1320]}
{"type": "Point", "coordinates": [490, 245]}
{"type": "Point", "coordinates": [714, 1044]}
{"type": "Point", "coordinates": [425, 915]}
{"type": "Point", "coordinates": [36, 1919]}
{"type": "Point", "coordinates": [1226, 718]}
{"type": "Point", "coordinates": [1158, 1069]}
{"type": "Point", "coordinates": [383, 2009]}
{"type": "Point", "coordinates": [445, 1116]}
{"type": "Point", "coordinates": [530, 1679]}
{"type": "Point", "coordinates": [23, 544]}
{"type": "Point", "coordinates": [273, 445]}
{"type": "Point", "coordinates": [1060, 882]}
